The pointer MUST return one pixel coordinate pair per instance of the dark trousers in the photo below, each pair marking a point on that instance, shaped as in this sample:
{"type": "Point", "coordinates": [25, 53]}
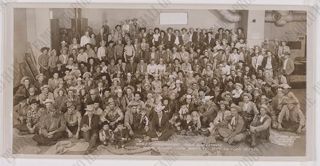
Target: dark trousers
{"type": "Point", "coordinates": [90, 137]}
{"type": "Point", "coordinates": [166, 134]}
{"type": "Point", "coordinates": [42, 140]}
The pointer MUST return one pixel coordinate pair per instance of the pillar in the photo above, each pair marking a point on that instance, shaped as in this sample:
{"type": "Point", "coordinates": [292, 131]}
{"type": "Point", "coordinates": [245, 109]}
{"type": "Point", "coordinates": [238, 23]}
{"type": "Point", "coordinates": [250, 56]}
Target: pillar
{"type": "Point", "coordinates": [255, 27]}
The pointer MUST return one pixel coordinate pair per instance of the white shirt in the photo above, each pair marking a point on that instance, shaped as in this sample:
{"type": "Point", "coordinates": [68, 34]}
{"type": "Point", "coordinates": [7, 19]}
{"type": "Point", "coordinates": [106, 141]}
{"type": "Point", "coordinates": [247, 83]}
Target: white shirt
{"type": "Point", "coordinates": [285, 63]}
{"type": "Point", "coordinates": [101, 52]}
{"type": "Point", "coordinates": [84, 40]}
{"type": "Point", "coordinates": [152, 68]}
{"type": "Point", "coordinates": [269, 64]}
{"type": "Point", "coordinates": [82, 57]}
{"type": "Point", "coordinates": [226, 69]}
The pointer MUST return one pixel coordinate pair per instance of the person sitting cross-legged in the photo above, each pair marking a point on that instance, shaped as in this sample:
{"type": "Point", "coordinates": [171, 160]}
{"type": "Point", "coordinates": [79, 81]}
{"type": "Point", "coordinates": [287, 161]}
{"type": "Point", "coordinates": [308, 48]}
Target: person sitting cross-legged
{"type": "Point", "coordinates": [234, 132]}
{"type": "Point", "coordinates": [52, 128]}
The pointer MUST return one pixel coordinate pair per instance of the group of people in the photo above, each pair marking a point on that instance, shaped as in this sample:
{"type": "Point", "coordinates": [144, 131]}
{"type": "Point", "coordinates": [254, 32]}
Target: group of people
{"type": "Point", "coordinates": [128, 83]}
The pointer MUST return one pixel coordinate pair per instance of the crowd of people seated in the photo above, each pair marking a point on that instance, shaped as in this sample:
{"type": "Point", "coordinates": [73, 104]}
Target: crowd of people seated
{"type": "Point", "coordinates": [133, 84]}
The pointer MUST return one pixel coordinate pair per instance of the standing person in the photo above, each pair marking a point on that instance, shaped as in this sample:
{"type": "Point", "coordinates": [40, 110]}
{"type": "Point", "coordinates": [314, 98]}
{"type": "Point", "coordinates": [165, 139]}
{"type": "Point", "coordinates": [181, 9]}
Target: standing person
{"type": "Point", "coordinates": [118, 50]}
{"type": "Point", "coordinates": [269, 64]}
{"type": "Point", "coordinates": [43, 61]}
{"type": "Point", "coordinates": [85, 39]}
{"type": "Point", "coordinates": [287, 66]}
{"type": "Point", "coordinates": [110, 52]}
{"type": "Point", "coordinates": [89, 127]}
{"type": "Point", "coordinates": [101, 54]}
{"type": "Point", "coordinates": [283, 49]}
{"type": "Point", "coordinates": [53, 60]}
{"type": "Point", "coordinates": [74, 45]}
{"type": "Point", "coordinates": [129, 51]}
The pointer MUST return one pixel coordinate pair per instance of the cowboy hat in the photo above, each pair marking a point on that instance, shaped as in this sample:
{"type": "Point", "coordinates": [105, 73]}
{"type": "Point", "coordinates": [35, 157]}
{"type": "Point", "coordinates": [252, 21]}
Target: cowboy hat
{"type": "Point", "coordinates": [39, 75]}
{"type": "Point", "coordinates": [285, 86]}
{"type": "Point", "coordinates": [159, 108]}
{"type": "Point", "coordinates": [235, 107]}
{"type": "Point", "coordinates": [24, 78]}
{"type": "Point", "coordinates": [48, 101]}
{"type": "Point", "coordinates": [44, 86]}
{"type": "Point", "coordinates": [129, 87]}
{"type": "Point", "coordinates": [248, 95]}
{"type": "Point", "coordinates": [89, 108]}
{"type": "Point", "coordinates": [223, 95]}
{"type": "Point", "coordinates": [265, 107]}
{"type": "Point", "coordinates": [223, 102]}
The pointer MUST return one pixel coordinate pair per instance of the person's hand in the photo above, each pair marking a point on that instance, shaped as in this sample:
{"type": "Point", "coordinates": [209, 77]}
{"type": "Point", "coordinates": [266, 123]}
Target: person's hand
{"type": "Point", "coordinates": [51, 133]}
{"type": "Point", "coordinates": [77, 135]}
{"type": "Point", "coordinates": [21, 118]}
{"type": "Point", "coordinates": [131, 132]}
{"type": "Point", "coordinates": [225, 139]}
{"type": "Point", "coordinates": [230, 141]}
{"type": "Point", "coordinates": [44, 132]}
{"type": "Point", "coordinates": [70, 134]}
{"type": "Point", "coordinates": [112, 123]}
{"type": "Point", "coordinates": [146, 128]}
{"type": "Point", "coordinates": [252, 129]}
{"type": "Point", "coordinates": [159, 134]}
{"type": "Point", "coordinates": [299, 130]}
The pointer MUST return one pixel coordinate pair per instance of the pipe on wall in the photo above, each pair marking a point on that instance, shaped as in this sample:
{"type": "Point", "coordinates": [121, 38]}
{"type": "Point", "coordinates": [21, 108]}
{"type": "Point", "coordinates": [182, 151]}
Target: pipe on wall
{"type": "Point", "coordinates": [280, 18]}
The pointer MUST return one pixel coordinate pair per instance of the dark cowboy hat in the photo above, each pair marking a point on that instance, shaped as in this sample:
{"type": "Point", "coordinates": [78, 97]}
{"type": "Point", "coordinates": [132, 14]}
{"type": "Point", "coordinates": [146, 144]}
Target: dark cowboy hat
{"type": "Point", "coordinates": [88, 44]}
{"type": "Point", "coordinates": [82, 48]}
{"type": "Point", "coordinates": [44, 48]}
{"type": "Point", "coordinates": [220, 29]}
{"type": "Point", "coordinates": [106, 89]}
{"type": "Point", "coordinates": [184, 29]}
{"type": "Point", "coordinates": [169, 28]}
{"type": "Point", "coordinates": [224, 94]}
{"type": "Point", "coordinates": [156, 29]}
{"type": "Point", "coordinates": [234, 48]}
{"type": "Point", "coordinates": [94, 60]}
{"type": "Point", "coordinates": [142, 28]}
{"type": "Point", "coordinates": [24, 78]}
{"type": "Point", "coordinates": [117, 26]}
{"type": "Point", "coordinates": [248, 95]}
{"type": "Point", "coordinates": [34, 101]}
{"type": "Point", "coordinates": [235, 107]}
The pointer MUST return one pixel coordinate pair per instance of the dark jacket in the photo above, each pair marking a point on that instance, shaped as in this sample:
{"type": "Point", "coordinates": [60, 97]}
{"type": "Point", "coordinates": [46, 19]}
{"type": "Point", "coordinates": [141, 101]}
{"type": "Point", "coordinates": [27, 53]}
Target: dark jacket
{"type": "Point", "coordinates": [95, 123]}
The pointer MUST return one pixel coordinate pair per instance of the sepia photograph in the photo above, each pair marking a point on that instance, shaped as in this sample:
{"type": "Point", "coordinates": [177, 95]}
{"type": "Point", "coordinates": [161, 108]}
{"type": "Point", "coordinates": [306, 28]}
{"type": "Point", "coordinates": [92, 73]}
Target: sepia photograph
{"type": "Point", "coordinates": [159, 82]}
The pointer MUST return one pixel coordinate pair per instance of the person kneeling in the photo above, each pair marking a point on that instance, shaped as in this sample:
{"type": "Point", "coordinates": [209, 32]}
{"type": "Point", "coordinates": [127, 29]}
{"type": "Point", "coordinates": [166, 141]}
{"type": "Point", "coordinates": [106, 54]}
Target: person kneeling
{"type": "Point", "coordinates": [260, 126]}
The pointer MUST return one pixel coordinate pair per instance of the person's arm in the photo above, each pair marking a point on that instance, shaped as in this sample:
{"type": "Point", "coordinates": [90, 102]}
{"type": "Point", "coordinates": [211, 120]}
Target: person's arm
{"type": "Point", "coordinates": [264, 126]}
{"type": "Point", "coordinates": [292, 96]}
{"type": "Point", "coordinates": [121, 116]}
{"type": "Point", "coordinates": [127, 120]}
{"type": "Point", "coordinates": [302, 119]}
{"type": "Point", "coordinates": [62, 125]}
{"type": "Point", "coordinates": [79, 122]}
{"type": "Point", "coordinates": [238, 128]}
{"type": "Point", "coordinates": [255, 110]}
